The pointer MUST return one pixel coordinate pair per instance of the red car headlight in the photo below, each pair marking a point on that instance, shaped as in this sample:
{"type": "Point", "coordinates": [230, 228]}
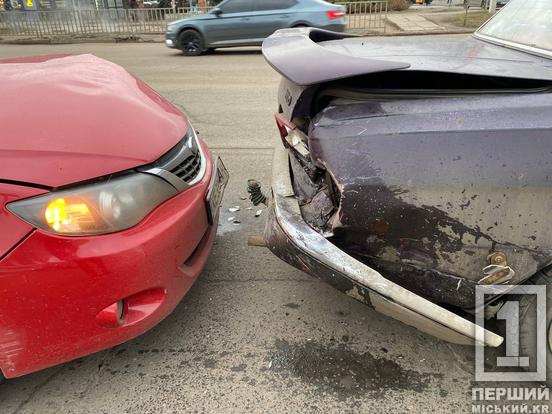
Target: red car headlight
{"type": "Point", "coordinates": [106, 207]}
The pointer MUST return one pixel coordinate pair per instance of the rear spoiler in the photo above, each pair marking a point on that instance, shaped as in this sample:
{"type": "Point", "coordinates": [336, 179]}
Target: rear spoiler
{"type": "Point", "coordinates": [297, 56]}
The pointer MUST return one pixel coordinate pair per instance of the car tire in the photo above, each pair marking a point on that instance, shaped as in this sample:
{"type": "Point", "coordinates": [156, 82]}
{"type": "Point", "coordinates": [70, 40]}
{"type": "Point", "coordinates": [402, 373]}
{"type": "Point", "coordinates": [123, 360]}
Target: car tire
{"type": "Point", "coordinates": [528, 323]}
{"type": "Point", "coordinates": [191, 42]}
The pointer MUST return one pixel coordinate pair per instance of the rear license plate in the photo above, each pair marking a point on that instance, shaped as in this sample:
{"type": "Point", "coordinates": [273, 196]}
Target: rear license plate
{"type": "Point", "coordinates": [216, 191]}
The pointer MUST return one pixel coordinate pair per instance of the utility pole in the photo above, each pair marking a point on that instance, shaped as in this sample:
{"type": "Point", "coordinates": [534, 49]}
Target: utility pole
{"type": "Point", "coordinates": [492, 6]}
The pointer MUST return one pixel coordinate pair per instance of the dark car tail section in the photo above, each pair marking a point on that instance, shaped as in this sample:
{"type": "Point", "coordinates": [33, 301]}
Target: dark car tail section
{"type": "Point", "coordinates": [358, 200]}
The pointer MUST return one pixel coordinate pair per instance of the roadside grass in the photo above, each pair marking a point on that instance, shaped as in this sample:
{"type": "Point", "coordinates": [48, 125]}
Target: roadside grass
{"type": "Point", "coordinates": [471, 20]}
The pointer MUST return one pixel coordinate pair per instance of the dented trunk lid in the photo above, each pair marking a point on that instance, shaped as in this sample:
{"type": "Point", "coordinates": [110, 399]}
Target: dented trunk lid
{"type": "Point", "coordinates": [430, 187]}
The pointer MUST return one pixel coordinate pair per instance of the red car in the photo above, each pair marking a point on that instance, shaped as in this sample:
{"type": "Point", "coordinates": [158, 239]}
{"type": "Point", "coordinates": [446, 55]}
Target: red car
{"type": "Point", "coordinates": [108, 208]}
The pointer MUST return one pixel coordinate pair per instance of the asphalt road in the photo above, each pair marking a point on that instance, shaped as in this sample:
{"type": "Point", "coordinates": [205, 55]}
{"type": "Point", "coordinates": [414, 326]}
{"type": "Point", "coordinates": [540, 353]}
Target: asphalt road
{"type": "Point", "coordinates": [254, 334]}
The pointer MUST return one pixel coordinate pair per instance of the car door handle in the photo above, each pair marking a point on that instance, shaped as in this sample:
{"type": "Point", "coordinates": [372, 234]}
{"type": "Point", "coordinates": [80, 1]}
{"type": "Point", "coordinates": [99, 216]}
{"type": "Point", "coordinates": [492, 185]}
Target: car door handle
{"type": "Point", "coordinates": [244, 19]}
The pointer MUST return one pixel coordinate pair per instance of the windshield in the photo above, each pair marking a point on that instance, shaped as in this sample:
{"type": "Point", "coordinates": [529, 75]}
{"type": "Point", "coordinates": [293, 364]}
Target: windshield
{"type": "Point", "coordinates": [524, 22]}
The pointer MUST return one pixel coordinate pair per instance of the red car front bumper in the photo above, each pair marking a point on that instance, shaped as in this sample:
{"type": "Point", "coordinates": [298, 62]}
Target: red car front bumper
{"type": "Point", "coordinates": [53, 289]}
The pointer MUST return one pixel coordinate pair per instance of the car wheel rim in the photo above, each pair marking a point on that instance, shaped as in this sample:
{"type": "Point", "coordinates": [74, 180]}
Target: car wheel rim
{"type": "Point", "coordinates": [191, 43]}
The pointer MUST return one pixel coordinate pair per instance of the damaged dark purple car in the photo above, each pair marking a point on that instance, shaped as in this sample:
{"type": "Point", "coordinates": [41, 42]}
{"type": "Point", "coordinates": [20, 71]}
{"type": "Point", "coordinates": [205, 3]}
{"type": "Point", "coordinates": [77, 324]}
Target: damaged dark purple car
{"type": "Point", "coordinates": [417, 168]}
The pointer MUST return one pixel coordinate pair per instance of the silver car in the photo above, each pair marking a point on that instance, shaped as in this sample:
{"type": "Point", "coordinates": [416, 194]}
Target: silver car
{"type": "Point", "coordinates": [249, 22]}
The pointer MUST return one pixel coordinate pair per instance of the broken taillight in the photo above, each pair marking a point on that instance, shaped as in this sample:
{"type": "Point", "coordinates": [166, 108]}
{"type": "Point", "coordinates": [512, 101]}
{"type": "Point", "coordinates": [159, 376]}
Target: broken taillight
{"type": "Point", "coordinates": [335, 14]}
{"type": "Point", "coordinates": [292, 136]}
{"type": "Point", "coordinates": [284, 126]}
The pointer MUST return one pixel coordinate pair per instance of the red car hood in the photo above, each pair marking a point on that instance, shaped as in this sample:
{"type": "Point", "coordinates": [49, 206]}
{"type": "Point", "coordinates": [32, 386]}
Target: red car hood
{"type": "Point", "coordinates": [69, 118]}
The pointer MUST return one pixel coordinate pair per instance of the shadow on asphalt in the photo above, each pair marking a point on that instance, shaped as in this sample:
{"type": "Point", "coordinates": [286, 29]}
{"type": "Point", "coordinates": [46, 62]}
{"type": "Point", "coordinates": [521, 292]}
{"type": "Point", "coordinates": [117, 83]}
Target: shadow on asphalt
{"type": "Point", "coordinates": [223, 52]}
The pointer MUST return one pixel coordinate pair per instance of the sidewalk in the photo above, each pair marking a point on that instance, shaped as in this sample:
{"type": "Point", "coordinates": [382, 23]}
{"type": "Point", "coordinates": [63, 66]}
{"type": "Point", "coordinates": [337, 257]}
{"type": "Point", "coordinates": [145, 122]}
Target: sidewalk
{"type": "Point", "coordinates": [435, 19]}
{"type": "Point", "coordinates": [410, 22]}
{"type": "Point", "coordinates": [65, 39]}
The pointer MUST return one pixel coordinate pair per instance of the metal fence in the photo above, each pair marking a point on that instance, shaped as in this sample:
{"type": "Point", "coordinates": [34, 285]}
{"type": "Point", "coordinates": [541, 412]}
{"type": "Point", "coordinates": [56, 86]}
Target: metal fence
{"type": "Point", "coordinates": [362, 16]}
{"type": "Point", "coordinates": [92, 22]}
{"type": "Point", "coordinates": [366, 16]}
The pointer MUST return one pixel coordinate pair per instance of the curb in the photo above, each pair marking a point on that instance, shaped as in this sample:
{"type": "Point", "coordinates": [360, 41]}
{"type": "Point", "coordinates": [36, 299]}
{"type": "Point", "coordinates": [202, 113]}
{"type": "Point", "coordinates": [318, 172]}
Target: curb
{"type": "Point", "coordinates": [435, 33]}
{"type": "Point", "coordinates": [72, 40]}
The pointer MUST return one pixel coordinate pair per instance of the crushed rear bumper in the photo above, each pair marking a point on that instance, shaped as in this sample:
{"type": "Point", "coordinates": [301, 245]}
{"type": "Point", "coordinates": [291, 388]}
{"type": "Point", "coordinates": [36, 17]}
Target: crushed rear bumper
{"type": "Point", "coordinates": [294, 241]}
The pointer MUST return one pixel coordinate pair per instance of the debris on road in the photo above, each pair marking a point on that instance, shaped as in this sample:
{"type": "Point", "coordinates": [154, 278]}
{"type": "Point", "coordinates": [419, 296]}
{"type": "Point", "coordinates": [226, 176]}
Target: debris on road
{"type": "Point", "coordinates": [256, 195]}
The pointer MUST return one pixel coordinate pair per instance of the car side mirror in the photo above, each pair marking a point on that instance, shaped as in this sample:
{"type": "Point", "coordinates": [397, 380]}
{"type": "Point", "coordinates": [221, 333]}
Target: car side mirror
{"type": "Point", "coordinates": [216, 11]}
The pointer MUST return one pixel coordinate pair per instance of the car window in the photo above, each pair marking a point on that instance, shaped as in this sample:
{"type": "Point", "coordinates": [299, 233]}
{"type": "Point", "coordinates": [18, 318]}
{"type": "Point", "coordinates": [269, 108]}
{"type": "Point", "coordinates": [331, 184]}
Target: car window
{"type": "Point", "coordinates": [261, 5]}
{"type": "Point", "coordinates": [236, 6]}
{"type": "Point", "coordinates": [523, 22]}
